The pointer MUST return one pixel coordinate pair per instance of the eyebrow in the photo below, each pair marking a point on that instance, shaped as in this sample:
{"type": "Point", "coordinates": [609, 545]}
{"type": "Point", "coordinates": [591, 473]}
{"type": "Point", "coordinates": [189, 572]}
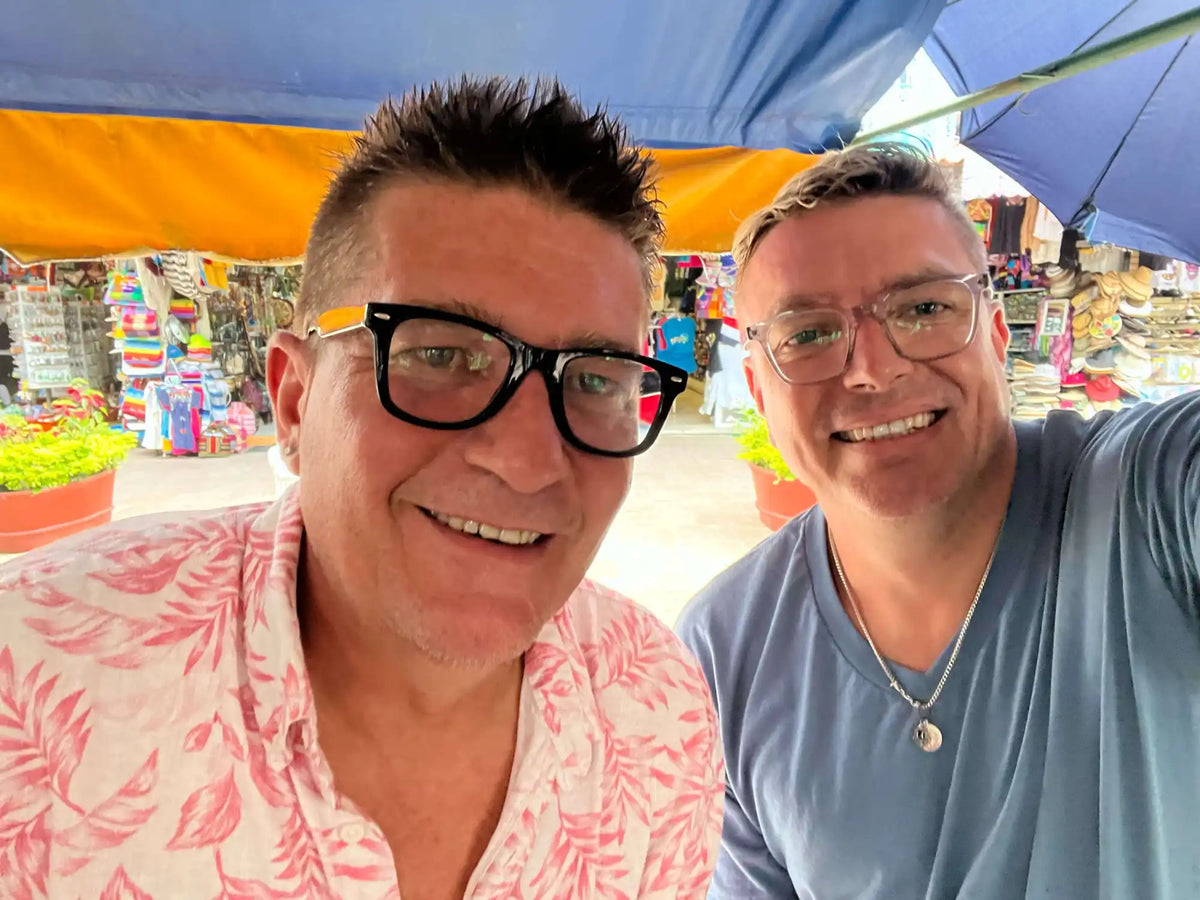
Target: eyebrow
{"type": "Point", "coordinates": [588, 340]}
{"type": "Point", "coordinates": [917, 277]}
{"type": "Point", "coordinates": [922, 276]}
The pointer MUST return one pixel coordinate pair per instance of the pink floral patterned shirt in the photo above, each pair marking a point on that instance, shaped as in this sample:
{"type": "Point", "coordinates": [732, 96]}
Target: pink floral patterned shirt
{"type": "Point", "coordinates": [157, 735]}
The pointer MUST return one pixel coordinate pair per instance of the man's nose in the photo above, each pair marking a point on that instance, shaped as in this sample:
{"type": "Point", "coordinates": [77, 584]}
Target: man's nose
{"type": "Point", "coordinates": [521, 444]}
{"type": "Point", "coordinates": [874, 365]}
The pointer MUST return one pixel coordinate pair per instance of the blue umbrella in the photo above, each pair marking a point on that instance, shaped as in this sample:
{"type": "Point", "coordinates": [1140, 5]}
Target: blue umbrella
{"type": "Point", "coordinates": [681, 73]}
{"type": "Point", "coordinates": [1111, 151]}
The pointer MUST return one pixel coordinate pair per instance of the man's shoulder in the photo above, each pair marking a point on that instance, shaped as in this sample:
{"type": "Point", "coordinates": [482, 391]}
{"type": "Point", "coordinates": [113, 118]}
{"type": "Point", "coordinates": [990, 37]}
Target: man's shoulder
{"type": "Point", "coordinates": [753, 587]}
{"type": "Point", "coordinates": [131, 566]}
{"type": "Point", "coordinates": [631, 654]}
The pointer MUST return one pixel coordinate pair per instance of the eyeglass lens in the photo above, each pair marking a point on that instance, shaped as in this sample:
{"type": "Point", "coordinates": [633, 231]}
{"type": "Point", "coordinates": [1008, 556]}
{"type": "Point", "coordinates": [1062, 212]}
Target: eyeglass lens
{"type": "Point", "coordinates": [449, 372]}
{"type": "Point", "coordinates": [923, 322]}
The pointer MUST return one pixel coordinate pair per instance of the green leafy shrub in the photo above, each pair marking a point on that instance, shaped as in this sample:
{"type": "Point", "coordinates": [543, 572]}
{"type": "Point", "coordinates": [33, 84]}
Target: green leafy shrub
{"type": "Point", "coordinates": [76, 448]}
{"type": "Point", "coordinates": [757, 448]}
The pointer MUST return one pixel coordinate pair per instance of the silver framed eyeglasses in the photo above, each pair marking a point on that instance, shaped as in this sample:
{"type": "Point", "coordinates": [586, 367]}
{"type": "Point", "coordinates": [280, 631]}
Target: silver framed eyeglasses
{"type": "Point", "coordinates": [924, 322]}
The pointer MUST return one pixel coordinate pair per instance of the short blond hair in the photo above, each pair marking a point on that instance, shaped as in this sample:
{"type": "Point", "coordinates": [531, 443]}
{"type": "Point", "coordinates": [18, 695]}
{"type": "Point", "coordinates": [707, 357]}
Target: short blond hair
{"type": "Point", "coordinates": [885, 169]}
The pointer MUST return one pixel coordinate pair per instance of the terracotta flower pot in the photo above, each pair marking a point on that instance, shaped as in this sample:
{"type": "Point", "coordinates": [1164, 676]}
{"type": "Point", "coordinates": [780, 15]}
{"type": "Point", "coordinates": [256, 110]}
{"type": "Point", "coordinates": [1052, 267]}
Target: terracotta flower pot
{"type": "Point", "coordinates": [778, 501]}
{"type": "Point", "coordinates": [31, 519]}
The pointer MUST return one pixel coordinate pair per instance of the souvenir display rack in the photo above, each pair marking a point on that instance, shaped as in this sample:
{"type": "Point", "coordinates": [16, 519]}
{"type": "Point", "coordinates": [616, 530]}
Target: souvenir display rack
{"type": "Point", "coordinates": [41, 348]}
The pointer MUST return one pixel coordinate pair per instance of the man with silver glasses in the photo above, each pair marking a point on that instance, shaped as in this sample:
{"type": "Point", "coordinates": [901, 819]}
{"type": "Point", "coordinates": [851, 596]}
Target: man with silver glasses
{"type": "Point", "coordinates": [395, 681]}
{"type": "Point", "coordinates": [973, 670]}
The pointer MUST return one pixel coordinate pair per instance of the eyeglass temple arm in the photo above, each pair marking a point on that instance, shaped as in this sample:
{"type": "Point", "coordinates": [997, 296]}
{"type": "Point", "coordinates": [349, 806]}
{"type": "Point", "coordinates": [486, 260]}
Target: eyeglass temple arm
{"type": "Point", "coordinates": [339, 319]}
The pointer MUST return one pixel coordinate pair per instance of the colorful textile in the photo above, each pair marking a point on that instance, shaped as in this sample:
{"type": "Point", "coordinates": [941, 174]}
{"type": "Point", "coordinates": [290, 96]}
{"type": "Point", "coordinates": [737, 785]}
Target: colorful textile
{"type": "Point", "coordinates": [159, 663]}
{"type": "Point", "coordinates": [143, 356]}
{"type": "Point", "coordinates": [183, 309]}
{"type": "Point", "coordinates": [123, 288]}
{"type": "Point", "coordinates": [182, 412]}
{"type": "Point", "coordinates": [139, 322]}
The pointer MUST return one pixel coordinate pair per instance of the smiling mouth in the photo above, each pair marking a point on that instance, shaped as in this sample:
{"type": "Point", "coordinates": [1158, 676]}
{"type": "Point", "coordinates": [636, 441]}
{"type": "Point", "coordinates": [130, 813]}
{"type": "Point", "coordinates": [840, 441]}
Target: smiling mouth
{"type": "Point", "coordinates": [512, 537]}
{"type": "Point", "coordinates": [888, 430]}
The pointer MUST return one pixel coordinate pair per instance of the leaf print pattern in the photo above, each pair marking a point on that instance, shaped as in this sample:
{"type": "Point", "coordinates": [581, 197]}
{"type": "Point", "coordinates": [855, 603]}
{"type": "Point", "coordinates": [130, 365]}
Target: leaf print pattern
{"type": "Point", "coordinates": [111, 822]}
{"type": "Point", "coordinates": [209, 815]}
{"type": "Point", "coordinates": [158, 735]}
{"type": "Point", "coordinates": [24, 857]}
{"type": "Point", "coordinates": [121, 887]}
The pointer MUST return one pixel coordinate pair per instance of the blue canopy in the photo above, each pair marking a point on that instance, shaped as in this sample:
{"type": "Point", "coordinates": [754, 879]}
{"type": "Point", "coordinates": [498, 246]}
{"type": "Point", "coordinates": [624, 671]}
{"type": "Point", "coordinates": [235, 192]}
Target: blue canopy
{"type": "Point", "coordinates": [1112, 150]}
{"type": "Point", "coordinates": [682, 73]}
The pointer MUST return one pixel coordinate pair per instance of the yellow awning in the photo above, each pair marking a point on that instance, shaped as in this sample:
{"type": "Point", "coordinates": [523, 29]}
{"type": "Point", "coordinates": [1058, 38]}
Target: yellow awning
{"type": "Point", "coordinates": [81, 186]}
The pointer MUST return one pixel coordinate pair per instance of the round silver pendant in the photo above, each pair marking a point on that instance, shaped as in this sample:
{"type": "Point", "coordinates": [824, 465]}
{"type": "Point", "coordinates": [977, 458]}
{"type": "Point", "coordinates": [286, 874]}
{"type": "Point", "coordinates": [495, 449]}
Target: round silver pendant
{"type": "Point", "coordinates": [927, 736]}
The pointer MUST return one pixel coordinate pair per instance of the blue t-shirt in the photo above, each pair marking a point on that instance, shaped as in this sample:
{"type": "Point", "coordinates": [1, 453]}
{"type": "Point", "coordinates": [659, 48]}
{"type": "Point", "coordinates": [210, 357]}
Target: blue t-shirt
{"type": "Point", "coordinates": [1071, 762]}
{"type": "Point", "coordinates": [679, 335]}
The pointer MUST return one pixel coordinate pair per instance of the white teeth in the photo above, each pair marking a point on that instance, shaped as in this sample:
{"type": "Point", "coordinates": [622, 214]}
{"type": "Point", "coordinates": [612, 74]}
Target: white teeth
{"type": "Point", "coordinates": [889, 429]}
{"type": "Point", "coordinates": [513, 536]}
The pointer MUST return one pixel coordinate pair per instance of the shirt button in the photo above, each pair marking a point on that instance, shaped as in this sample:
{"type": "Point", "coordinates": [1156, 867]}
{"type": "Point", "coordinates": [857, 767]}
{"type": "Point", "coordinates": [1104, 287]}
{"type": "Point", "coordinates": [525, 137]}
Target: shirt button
{"type": "Point", "coordinates": [352, 832]}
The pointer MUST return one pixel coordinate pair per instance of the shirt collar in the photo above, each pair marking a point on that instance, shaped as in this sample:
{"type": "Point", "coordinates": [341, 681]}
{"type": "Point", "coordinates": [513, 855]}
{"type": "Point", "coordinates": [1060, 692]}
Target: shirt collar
{"type": "Point", "coordinates": [277, 677]}
{"type": "Point", "coordinates": [556, 672]}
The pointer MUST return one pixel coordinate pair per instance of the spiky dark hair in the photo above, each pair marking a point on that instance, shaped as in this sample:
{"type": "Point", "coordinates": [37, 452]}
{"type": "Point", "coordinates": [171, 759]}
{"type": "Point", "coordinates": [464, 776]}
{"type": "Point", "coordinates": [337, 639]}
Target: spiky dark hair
{"type": "Point", "coordinates": [486, 132]}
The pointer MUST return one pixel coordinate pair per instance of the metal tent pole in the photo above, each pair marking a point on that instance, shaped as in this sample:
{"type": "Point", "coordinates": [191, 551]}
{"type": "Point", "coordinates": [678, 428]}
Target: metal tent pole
{"type": "Point", "coordinates": [1163, 32]}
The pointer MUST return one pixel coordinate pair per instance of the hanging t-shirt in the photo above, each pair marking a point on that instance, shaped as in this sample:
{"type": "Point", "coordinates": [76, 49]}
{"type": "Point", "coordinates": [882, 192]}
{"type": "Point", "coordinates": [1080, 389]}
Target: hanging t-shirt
{"type": "Point", "coordinates": [182, 411]}
{"type": "Point", "coordinates": [1188, 278]}
{"type": "Point", "coordinates": [1006, 227]}
{"type": "Point", "coordinates": [679, 338]}
{"type": "Point", "coordinates": [152, 438]}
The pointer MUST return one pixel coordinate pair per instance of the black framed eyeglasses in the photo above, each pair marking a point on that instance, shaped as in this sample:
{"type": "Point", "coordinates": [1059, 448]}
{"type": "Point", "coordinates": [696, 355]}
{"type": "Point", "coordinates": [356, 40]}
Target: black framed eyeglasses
{"type": "Point", "coordinates": [924, 322]}
{"type": "Point", "coordinates": [446, 371]}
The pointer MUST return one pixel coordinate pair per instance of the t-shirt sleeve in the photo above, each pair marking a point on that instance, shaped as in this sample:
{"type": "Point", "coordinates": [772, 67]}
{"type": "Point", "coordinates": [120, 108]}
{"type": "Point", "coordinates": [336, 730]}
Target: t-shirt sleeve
{"type": "Point", "coordinates": [1163, 472]}
{"type": "Point", "coordinates": [746, 868]}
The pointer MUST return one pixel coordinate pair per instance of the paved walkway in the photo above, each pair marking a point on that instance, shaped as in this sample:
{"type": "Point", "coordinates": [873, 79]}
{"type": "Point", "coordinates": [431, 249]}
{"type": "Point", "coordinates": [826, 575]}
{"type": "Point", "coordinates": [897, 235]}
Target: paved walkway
{"type": "Point", "coordinates": [689, 514]}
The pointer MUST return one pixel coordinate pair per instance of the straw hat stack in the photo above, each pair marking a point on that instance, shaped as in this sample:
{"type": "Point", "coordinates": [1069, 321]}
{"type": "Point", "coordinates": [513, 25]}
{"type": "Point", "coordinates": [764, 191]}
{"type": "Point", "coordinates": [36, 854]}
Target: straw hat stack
{"type": "Point", "coordinates": [1112, 334]}
{"type": "Point", "coordinates": [1062, 282]}
{"type": "Point", "coordinates": [1034, 389]}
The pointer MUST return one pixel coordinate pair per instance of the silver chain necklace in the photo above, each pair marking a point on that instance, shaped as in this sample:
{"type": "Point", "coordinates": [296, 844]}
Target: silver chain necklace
{"type": "Point", "coordinates": [925, 735]}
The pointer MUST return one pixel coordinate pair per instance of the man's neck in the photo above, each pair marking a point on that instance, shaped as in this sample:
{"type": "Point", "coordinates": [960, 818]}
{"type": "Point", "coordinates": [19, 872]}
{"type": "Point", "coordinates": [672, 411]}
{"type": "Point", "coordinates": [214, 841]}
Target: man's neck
{"type": "Point", "coordinates": [423, 748]}
{"type": "Point", "coordinates": [914, 579]}
{"type": "Point", "coordinates": [382, 682]}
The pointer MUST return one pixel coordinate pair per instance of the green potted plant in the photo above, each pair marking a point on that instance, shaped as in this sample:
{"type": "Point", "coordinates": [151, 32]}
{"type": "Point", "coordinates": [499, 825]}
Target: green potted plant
{"type": "Point", "coordinates": [56, 476]}
{"type": "Point", "coordinates": [778, 495]}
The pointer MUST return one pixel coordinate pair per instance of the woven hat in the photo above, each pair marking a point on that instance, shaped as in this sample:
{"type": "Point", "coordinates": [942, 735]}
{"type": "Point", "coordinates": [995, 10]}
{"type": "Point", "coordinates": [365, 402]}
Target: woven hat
{"type": "Point", "coordinates": [1080, 325]}
{"type": "Point", "coordinates": [1138, 284]}
{"type": "Point", "coordinates": [1128, 386]}
{"type": "Point", "coordinates": [1136, 368]}
{"type": "Point", "coordinates": [1140, 310]}
{"type": "Point", "coordinates": [1130, 339]}
{"type": "Point", "coordinates": [1136, 326]}
{"type": "Point", "coordinates": [1108, 327]}
{"type": "Point", "coordinates": [1101, 363]}
{"type": "Point", "coordinates": [1103, 389]}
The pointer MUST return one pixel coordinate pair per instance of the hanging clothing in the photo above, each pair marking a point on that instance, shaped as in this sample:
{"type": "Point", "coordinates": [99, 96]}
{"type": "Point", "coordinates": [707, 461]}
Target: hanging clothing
{"type": "Point", "coordinates": [1068, 258]}
{"type": "Point", "coordinates": [980, 213]}
{"type": "Point", "coordinates": [1028, 224]}
{"type": "Point", "coordinates": [1006, 229]}
{"type": "Point", "coordinates": [726, 392]}
{"type": "Point", "coordinates": [181, 411]}
{"type": "Point", "coordinates": [679, 343]}
{"type": "Point", "coordinates": [152, 438]}
{"type": "Point", "coordinates": [1047, 237]}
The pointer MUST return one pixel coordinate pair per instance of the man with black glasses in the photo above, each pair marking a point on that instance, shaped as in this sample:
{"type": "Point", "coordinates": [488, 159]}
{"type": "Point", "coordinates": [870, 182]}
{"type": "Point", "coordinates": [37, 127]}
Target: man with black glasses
{"type": "Point", "coordinates": [973, 670]}
{"type": "Point", "coordinates": [394, 681]}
